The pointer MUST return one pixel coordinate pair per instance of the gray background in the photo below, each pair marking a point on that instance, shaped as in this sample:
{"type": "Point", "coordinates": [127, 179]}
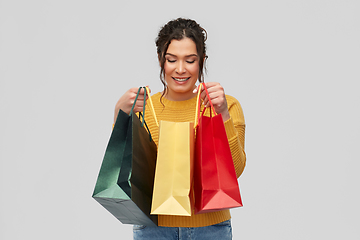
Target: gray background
{"type": "Point", "coordinates": [293, 65]}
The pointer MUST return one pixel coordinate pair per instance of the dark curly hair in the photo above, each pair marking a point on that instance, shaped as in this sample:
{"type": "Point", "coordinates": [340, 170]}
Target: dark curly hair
{"type": "Point", "coordinates": [178, 29]}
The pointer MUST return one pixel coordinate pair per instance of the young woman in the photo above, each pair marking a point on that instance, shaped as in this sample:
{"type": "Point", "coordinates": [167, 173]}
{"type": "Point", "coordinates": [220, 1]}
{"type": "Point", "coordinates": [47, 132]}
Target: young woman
{"type": "Point", "coordinates": [181, 52]}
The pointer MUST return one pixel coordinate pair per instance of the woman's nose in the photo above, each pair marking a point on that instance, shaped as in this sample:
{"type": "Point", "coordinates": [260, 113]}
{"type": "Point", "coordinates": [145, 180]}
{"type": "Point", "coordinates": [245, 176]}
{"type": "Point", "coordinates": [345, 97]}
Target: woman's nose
{"type": "Point", "coordinates": [180, 68]}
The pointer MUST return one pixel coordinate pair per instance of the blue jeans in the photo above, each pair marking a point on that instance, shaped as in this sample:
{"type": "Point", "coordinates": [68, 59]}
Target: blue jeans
{"type": "Point", "coordinates": [217, 231]}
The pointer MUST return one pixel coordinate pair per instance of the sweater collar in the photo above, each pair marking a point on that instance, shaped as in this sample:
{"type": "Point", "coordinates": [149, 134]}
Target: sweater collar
{"type": "Point", "coordinates": [190, 103]}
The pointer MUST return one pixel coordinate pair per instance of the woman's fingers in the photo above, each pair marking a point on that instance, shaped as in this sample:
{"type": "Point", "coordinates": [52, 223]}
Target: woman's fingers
{"type": "Point", "coordinates": [217, 97]}
{"type": "Point", "coordinates": [126, 101]}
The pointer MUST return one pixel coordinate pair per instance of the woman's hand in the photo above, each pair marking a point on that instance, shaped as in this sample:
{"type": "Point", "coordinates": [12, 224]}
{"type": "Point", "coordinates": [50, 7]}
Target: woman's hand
{"type": "Point", "coordinates": [126, 102]}
{"type": "Point", "coordinates": [217, 97]}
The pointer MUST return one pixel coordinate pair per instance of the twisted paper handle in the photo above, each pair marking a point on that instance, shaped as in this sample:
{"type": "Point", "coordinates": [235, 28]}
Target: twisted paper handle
{"type": "Point", "coordinates": [151, 105]}
{"type": "Point", "coordinates": [197, 114]}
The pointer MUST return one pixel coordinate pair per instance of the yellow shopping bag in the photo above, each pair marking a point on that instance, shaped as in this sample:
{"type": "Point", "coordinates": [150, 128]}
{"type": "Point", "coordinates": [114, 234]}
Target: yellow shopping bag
{"type": "Point", "coordinates": [174, 169]}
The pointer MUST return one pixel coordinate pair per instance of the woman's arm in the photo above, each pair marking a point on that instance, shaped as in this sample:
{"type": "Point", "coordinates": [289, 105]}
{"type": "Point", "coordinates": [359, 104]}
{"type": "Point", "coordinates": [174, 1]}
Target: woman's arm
{"type": "Point", "coordinates": [235, 130]}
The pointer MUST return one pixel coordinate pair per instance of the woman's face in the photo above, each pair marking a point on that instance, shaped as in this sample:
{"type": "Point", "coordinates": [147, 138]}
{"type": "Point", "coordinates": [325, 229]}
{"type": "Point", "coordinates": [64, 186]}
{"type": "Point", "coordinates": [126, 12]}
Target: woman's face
{"type": "Point", "coordinates": [181, 69]}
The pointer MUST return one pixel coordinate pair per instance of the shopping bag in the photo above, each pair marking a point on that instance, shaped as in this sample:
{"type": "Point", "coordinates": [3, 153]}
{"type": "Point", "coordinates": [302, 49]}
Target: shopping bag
{"type": "Point", "coordinates": [174, 169]}
{"type": "Point", "coordinates": [215, 183]}
{"type": "Point", "coordinates": [125, 182]}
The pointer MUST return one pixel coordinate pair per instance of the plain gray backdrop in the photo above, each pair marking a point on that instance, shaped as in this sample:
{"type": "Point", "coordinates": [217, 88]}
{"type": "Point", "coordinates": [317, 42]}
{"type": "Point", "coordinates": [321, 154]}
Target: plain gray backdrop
{"type": "Point", "coordinates": [293, 65]}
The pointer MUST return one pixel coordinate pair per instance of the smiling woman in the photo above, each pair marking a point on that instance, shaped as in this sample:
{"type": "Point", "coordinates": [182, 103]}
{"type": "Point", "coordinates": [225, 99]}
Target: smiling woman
{"type": "Point", "coordinates": [181, 53]}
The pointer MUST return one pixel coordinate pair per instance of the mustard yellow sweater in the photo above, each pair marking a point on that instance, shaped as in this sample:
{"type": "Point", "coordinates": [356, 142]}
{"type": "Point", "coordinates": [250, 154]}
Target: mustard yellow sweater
{"type": "Point", "coordinates": [184, 111]}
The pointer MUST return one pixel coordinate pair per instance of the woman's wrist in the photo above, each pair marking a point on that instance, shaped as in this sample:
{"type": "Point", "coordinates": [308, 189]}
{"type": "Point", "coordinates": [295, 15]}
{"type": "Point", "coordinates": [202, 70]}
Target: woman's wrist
{"type": "Point", "coordinates": [225, 116]}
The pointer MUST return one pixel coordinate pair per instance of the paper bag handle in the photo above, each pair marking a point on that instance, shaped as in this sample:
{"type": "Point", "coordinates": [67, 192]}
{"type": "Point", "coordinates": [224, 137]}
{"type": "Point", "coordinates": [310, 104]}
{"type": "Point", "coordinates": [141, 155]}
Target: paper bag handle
{"type": "Point", "coordinates": [197, 114]}
{"type": "Point", "coordinates": [151, 105]}
{"type": "Point", "coordinates": [137, 95]}
{"type": "Point", "coordinates": [143, 112]}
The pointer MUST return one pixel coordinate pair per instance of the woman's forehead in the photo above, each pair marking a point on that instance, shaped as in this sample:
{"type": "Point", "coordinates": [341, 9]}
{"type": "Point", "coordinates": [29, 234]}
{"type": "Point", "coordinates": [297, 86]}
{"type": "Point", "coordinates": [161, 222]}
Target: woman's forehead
{"type": "Point", "coordinates": [185, 47]}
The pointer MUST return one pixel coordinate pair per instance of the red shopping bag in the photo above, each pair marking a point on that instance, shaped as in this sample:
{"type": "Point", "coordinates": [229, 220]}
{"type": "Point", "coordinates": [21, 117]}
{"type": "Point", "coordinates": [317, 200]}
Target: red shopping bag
{"type": "Point", "coordinates": [215, 183]}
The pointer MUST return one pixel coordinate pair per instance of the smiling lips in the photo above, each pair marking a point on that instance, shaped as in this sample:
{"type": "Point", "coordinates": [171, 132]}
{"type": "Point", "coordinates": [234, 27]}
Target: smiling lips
{"type": "Point", "coordinates": [181, 79]}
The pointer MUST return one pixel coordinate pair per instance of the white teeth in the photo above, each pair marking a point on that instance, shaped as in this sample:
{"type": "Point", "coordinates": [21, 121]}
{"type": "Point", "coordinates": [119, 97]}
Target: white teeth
{"type": "Point", "coordinates": [181, 79]}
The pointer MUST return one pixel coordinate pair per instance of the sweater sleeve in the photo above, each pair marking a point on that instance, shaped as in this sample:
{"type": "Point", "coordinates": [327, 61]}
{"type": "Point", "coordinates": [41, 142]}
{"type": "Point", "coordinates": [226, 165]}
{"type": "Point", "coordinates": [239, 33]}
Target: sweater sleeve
{"type": "Point", "coordinates": [235, 130]}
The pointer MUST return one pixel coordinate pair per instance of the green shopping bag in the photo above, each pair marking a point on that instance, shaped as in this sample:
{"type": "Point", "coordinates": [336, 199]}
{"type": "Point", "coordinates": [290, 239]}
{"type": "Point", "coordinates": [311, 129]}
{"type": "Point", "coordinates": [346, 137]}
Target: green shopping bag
{"type": "Point", "coordinates": [126, 178]}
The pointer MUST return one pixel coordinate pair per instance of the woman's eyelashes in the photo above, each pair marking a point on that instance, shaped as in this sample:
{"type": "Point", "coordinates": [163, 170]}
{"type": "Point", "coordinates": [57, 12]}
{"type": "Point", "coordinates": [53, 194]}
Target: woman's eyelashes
{"type": "Point", "coordinates": [172, 61]}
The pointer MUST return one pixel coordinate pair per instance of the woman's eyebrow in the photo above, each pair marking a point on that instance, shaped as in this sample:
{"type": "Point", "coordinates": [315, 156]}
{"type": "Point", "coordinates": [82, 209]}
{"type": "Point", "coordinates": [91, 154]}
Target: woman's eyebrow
{"type": "Point", "coordinates": [191, 55]}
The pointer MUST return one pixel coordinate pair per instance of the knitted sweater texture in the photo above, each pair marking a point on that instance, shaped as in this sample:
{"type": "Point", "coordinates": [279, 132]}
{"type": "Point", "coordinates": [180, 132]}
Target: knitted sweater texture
{"type": "Point", "coordinates": [184, 111]}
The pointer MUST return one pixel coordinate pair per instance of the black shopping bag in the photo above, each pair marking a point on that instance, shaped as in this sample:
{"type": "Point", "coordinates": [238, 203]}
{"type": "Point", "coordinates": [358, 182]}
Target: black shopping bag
{"type": "Point", "coordinates": [126, 178]}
